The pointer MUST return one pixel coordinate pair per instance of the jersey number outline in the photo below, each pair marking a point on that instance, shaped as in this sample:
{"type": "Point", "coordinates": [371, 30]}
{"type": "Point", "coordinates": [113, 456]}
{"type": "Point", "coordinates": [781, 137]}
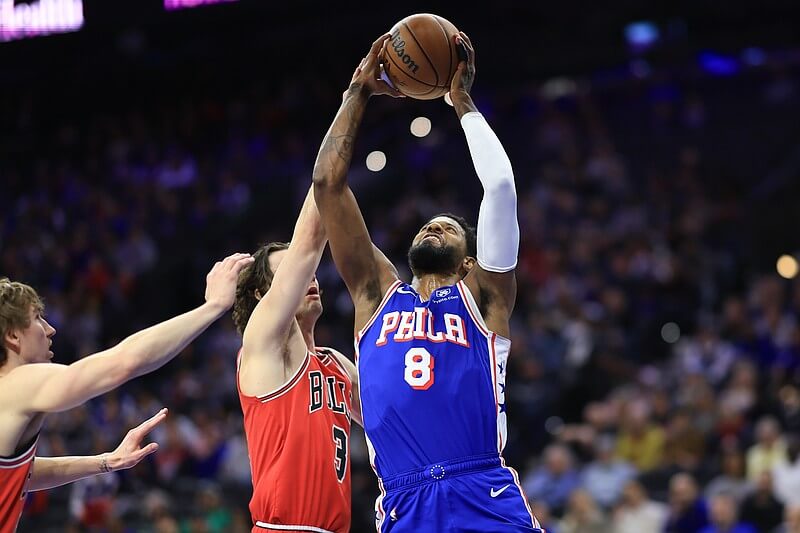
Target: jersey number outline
{"type": "Point", "coordinates": [419, 368]}
{"type": "Point", "coordinates": [340, 455]}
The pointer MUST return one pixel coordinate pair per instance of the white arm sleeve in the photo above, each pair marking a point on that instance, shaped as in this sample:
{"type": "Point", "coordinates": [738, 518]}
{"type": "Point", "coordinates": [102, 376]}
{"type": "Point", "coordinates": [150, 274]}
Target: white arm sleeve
{"type": "Point", "coordinates": [498, 230]}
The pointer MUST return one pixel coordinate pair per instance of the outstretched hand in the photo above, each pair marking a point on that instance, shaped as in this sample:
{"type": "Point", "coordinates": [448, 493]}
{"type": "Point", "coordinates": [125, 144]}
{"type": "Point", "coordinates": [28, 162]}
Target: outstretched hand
{"type": "Point", "coordinates": [221, 281]}
{"type": "Point", "coordinates": [367, 76]}
{"type": "Point", "coordinates": [130, 451]}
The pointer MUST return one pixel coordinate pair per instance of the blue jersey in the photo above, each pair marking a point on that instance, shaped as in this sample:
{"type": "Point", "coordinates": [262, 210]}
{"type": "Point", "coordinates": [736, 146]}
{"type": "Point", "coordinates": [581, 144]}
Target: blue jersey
{"type": "Point", "coordinates": [432, 380]}
{"type": "Point", "coordinates": [432, 383]}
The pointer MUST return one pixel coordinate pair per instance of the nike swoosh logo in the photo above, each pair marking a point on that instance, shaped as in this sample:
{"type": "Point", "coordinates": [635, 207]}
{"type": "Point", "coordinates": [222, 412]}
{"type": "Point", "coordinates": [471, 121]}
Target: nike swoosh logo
{"type": "Point", "coordinates": [495, 493]}
{"type": "Point", "coordinates": [403, 290]}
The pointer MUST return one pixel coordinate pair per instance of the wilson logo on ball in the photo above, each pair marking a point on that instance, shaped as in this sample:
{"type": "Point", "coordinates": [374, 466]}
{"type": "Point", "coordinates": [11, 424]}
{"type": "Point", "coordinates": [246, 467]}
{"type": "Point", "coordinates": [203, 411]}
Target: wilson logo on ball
{"type": "Point", "coordinates": [399, 46]}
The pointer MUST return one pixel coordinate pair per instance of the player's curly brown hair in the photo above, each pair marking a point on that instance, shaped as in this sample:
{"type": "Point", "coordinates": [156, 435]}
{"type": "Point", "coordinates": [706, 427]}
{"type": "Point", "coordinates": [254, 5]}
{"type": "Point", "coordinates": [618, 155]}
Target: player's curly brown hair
{"type": "Point", "coordinates": [16, 300]}
{"type": "Point", "coordinates": [256, 277]}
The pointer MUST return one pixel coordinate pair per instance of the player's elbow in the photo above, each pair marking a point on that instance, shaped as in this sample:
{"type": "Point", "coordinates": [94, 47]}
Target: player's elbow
{"type": "Point", "coordinates": [321, 178]}
{"type": "Point", "coordinates": [503, 185]}
{"type": "Point", "coordinates": [325, 181]}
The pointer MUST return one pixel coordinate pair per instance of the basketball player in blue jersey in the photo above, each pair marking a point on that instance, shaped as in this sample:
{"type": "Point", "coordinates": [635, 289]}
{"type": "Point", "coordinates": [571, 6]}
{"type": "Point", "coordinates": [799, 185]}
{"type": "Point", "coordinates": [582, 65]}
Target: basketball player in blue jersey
{"type": "Point", "coordinates": [432, 354]}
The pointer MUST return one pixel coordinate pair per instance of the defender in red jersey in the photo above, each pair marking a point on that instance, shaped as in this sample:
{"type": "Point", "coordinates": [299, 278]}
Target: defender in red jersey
{"type": "Point", "coordinates": [297, 398]}
{"type": "Point", "coordinates": [31, 386]}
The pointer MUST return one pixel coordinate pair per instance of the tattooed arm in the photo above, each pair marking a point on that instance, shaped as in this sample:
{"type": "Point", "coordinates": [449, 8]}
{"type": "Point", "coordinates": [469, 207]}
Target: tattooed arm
{"type": "Point", "coordinates": [364, 269]}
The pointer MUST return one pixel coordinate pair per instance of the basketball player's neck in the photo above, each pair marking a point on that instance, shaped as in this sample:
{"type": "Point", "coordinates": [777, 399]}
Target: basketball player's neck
{"type": "Point", "coordinates": [307, 324]}
{"type": "Point", "coordinates": [427, 283]}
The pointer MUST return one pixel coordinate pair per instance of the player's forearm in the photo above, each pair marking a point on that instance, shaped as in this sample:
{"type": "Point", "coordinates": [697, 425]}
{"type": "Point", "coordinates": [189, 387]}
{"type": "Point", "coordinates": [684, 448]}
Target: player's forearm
{"type": "Point", "coordinates": [498, 229]}
{"type": "Point", "coordinates": [462, 103]}
{"type": "Point", "coordinates": [151, 348]}
{"type": "Point", "coordinates": [309, 233]}
{"type": "Point", "coordinates": [333, 159]}
{"type": "Point", "coordinates": [50, 472]}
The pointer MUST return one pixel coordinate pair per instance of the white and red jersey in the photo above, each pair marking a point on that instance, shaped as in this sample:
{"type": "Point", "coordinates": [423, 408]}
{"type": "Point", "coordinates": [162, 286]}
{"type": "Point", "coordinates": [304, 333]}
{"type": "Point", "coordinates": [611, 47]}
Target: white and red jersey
{"type": "Point", "coordinates": [14, 474]}
{"type": "Point", "coordinates": [298, 438]}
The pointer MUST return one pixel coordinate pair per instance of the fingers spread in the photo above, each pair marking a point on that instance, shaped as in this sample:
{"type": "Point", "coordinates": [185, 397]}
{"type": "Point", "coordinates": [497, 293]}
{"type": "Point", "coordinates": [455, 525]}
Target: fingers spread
{"type": "Point", "coordinates": [147, 426]}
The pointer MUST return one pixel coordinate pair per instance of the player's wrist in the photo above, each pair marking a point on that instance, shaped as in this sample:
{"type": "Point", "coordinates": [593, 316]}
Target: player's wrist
{"type": "Point", "coordinates": [462, 102]}
{"type": "Point", "coordinates": [358, 90]}
{"type": "Point", "coordinates": [108, 463]}
{"type": "Point", "coordinates": [215, 307]}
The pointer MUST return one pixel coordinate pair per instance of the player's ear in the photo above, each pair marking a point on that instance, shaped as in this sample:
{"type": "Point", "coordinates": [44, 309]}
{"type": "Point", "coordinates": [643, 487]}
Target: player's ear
{"type": "Point", "coordinates": [467, 265]}
{"type": "Point", "coordinates": [11, 340]}
{"type": "Point", "coordinates": [257, 294]}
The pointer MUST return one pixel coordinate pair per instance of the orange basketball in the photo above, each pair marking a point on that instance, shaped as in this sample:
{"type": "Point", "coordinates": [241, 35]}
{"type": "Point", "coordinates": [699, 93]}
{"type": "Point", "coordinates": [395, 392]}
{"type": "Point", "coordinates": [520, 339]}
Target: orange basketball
{"type": "Point", "coordinates": [421, 56]}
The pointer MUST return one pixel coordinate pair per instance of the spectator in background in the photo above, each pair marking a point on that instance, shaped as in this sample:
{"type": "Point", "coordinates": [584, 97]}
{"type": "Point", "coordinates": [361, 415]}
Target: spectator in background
{"type": "Point", "coordinates": [637, 513]}
{"type": "Point", "coordinates": [761, 508]}
{"type": "Point", "coordinates": [789, 395]}
{"type": "Point", "coordinates": [731, 480]}
{"type": "Point", "coordinates": [723, 517]}
{"type": "Point", "coordinates": [640, 442]}
{"type": "Point", "coordinates": [684, 445]}
{"type": "Point", "coordinates": [605, 477]}
{"type": "Point", "coordinates": [688, 512]}
{"type": "Point", "coordinates": [583, 515]}
{"type": "Point", "coordinates": [786, 476]}
{"type": "Point", "coordinates": [769, 450]}
{"type": "Point", "coordinates": [554, 480]}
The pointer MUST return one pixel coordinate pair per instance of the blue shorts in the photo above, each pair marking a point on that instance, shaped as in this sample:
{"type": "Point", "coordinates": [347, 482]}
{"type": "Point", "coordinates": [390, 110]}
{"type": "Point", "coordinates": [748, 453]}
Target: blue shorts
{"type": "Point", "coordinates": [476, 494]}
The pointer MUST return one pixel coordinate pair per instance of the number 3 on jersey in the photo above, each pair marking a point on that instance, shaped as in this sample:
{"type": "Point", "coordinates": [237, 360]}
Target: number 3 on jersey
{"type": "Point", "coordinates": [340, 456]}
{"type": "Point", "coordinates": [419, 368]}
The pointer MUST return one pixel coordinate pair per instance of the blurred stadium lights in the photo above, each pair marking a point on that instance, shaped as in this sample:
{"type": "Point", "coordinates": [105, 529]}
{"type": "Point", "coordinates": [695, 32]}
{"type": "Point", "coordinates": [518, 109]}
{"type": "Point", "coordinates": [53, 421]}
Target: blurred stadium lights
{"type": "Point", "coordinates": [420, 126]}
{"type": "Point", "coordinates": [787, 266]}
{"type": "Point", "coordinates": [556, 88]}
{"type": "Point", "coordinates": [718, 64]}
{"type": "Point", "coordinates": [641, 35]}
{"type": "Point", "coordinates": [42, 17]}
{"type": "Point", "coordinates": [376, 161]}
{"type": "Point", "coordinates": [670, 332]}
{"type": "Point", "coordinates": [180, 4]}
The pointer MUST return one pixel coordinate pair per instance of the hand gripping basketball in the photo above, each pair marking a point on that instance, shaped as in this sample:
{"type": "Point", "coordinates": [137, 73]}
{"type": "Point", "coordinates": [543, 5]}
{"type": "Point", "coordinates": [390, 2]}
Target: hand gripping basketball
{"type": "Point", "coordinates": [367, 75]}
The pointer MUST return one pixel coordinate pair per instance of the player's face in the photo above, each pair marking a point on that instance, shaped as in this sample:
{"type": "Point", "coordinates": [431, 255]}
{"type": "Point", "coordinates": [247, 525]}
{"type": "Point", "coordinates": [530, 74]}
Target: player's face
{"type": "Point", "coordinates": [439, 246]}
{"type": "Point", "coordinates": [311, 305]}
{"type": "Point", "coordinates": [36, 339]}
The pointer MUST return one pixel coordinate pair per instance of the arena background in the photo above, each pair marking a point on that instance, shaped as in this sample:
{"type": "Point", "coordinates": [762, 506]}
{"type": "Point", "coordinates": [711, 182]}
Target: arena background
{"type": "Point", "coordinates": [657, 156]}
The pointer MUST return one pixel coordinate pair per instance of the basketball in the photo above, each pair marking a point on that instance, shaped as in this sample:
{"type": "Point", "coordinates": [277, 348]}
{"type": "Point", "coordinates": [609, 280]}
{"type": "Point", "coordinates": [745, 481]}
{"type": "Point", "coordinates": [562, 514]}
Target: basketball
{"type": "Point", "coordinates": [421, 57]}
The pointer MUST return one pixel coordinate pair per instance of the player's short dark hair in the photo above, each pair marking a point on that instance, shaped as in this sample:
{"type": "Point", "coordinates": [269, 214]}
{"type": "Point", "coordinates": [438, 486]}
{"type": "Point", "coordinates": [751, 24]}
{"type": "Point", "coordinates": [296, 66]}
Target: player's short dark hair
{"type": "Point", "coordinates": [469, 232]}
{"type": "Point", "coordinates": [255, 277]}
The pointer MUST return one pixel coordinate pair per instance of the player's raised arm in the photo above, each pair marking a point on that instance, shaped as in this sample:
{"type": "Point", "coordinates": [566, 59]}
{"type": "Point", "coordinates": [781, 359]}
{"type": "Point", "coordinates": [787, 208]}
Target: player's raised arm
{"type": "Point", "coordinates": [264, 338]}
{"type": "Point", "coordinates": [492, 282]}
{"type": "Point", "coordinates": [366, 274]}
{"type": "Point", "coordinates": [53, 388]}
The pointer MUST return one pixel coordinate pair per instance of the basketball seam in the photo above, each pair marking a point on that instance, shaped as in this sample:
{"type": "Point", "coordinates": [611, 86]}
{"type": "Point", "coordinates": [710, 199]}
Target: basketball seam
{"type": "Point", "coordinates": [415, 79]}
{"type": "Point", "coordinates": [421, 49]}
{"type": "Point", "coordinates": [430, 62]}
{"type": "Point", "coordinates": [449, 45]}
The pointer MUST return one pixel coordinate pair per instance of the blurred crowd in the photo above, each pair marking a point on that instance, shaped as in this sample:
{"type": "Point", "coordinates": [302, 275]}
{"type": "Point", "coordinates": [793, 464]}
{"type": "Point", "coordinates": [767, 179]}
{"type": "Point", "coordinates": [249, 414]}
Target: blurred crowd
{"type": "Point", "coordinates": [653, 382]}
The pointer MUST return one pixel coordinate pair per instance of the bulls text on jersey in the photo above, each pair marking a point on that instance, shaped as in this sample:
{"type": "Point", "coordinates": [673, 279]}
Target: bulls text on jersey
{"type": "Point", "coordinates": [327, 391]}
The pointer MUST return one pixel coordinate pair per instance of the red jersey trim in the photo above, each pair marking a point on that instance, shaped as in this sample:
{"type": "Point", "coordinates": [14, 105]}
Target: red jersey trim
{"type": "Point", "coordinates": [294, 380]}
{"type": "Point", "coordinates": [334, 356]}
{"type": "Point", "coordinates": [286, 527]}
{"type": "Point", "coordinates": [21, 459]}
